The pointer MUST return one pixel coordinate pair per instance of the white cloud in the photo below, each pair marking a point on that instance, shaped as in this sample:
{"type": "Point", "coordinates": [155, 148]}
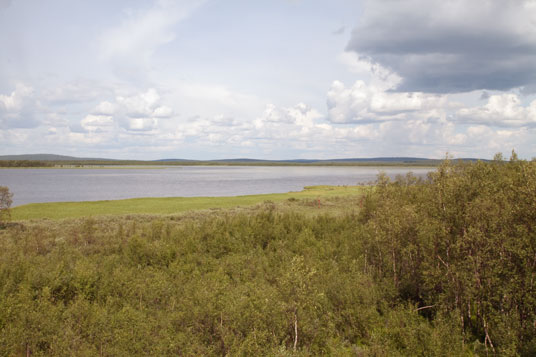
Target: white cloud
{"type": "Point", "coordinates": [18, 109]}
{"type": "Point", "coordinates": [138, 112]}
{"type": "Point", "coordinates": [104, 108]}
{"type": "Point", "coordinates": [97, 123]}
{"type": "Point", "coordinates": [143, 105]}
{"type": "Point", "coordinates": [142, 124]}
{"type": "Point", "coordinates": [500, 110]}
{"type": "Point", "coordinates": [300, 114]}
{"type": "Point", "coordinates": [288, 123]}
{"type": "Point", "coordinates": [490, 141]}
{"type": "Point", "coordinates": [14, 102]}
{"type": "Point", "coordinates": [210, 99]}
{"type": "Point", "coordinates": [365, 103]}
{"type": "Point", "coordinates": [163, 112]}
{"type": "Point", "coordinates": [194, 96]}
{"type": "Point", "coordinates": [379, 76]}
{"type": "Point", "coordinates": [131, 44]}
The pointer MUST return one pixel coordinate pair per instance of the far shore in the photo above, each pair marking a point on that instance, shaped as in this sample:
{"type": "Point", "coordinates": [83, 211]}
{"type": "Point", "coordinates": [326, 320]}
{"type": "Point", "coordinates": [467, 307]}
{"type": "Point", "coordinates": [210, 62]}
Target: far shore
{"type": "Point", "coordinates": [208, 164]}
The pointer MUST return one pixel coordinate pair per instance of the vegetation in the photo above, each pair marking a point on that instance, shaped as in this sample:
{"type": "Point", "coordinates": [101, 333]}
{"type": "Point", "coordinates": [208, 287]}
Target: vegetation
{"type": "Point", "coordinates": [25, 163]}
{"type": "Point", "coordinates": [70, 161]}
{"type": "Point", "coordinates": [462, 243]}
{"type": "Point", "coordinates": [174, 205]}
{"type": "Point", "coordinates": [5, 204]}
{"type": "Point", "coordinates": [435, 267]}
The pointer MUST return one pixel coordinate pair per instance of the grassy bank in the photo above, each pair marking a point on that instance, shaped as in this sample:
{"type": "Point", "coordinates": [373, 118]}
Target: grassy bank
{"type": "Point", "coordinates": [173, 205]}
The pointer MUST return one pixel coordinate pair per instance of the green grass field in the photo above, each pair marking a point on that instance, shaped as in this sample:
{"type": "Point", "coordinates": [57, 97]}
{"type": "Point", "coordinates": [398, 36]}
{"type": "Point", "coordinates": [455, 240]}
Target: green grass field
{"type": "Point", "coordinates": [315, 196]}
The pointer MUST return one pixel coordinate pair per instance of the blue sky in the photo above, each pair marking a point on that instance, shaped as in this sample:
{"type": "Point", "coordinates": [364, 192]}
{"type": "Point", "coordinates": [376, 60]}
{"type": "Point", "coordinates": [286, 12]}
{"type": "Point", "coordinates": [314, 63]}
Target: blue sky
{"type": "Point", "coordinates": [276, 79]}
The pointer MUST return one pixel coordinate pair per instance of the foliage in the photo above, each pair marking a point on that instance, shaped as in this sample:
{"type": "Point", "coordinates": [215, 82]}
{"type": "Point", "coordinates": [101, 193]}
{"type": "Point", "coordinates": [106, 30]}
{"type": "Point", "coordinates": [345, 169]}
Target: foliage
{"type": "Point", "coordinates": [239, 284]}
{"type": "Point", "coordinates": [434, 267]}
{"type": "Point", "coordinates": [25, 163]}
{"type": "Point", "coordinates": [174, 205]}
{"type": "Point", "coordinates": [463, 241]}
{"type": "Point", "coordinates": [5, 204]}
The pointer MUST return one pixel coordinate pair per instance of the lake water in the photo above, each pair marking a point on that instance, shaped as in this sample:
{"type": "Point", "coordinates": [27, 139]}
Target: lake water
{"type": "Point", "coordinates": [57, 185]}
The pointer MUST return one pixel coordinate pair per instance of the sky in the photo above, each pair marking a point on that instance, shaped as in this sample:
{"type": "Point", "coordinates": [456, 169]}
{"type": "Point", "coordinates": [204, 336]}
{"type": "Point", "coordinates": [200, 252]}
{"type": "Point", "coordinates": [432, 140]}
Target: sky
{"type": "Point", "coordinates": [268, 79]}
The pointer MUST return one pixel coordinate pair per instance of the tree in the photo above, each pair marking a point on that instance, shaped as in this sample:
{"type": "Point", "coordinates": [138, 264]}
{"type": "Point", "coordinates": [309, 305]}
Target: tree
{"type": "Point", "coordinates": [5, 204]}
{"type": "Point", "coordinates": [462, 242]}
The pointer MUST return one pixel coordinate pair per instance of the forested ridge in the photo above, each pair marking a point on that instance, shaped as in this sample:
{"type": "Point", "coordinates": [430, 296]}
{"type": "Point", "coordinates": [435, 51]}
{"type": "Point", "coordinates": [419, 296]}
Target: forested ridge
{"type": "Point", "coordinates": [417, 267]}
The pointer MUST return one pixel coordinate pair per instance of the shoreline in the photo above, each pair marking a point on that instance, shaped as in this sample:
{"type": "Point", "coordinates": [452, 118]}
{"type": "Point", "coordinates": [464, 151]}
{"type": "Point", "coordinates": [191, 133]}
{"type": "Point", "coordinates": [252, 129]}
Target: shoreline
{"type": "Point", "coordinates": [172, 205]}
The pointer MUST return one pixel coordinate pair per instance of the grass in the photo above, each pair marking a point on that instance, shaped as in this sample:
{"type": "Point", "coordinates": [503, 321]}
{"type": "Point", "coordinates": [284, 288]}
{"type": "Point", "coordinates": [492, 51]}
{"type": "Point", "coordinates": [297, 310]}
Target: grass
{"type": "Point", "coordinates": [322, 198]}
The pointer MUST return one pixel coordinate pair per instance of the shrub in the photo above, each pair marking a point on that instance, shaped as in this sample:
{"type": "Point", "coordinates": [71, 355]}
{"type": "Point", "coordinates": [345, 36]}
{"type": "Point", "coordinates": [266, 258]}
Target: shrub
{"type": "Point", "coordinates": [463, 241]}
{"type": "Point", "coordinates": [5, 204]}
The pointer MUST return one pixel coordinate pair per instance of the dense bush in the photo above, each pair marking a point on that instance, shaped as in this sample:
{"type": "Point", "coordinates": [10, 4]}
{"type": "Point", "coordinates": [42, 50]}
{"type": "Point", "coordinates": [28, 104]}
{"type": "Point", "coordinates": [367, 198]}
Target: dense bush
{"type": "Point", "coordinates": [265, 283]}
{"type": "Point", "coordinates": [463, 241]}
{"type": "Point", "coordinates": [435, 267]}
{"type": "Point", "coordinates": [5, 204]}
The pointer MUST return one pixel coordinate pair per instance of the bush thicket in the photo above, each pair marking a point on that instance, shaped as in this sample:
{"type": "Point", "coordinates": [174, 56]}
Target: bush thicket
{"type": "Point", "coordinates": [5, 205]}
{"type": "Point", "coordinates": [462, 242]}
{"type": "Point", "coordinates": [430, 267]}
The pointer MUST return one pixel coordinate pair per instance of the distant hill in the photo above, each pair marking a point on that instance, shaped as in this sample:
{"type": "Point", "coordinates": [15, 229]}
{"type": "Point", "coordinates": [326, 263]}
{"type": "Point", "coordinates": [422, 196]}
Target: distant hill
{"type": "Point", "coordinates": [49, 157]}
{"type": "Point", "coordinates": [236, 161]}
{"type": "Point", "coordinates": [334, 161]}
{"type": "Point", "coordinates": [310, 161]}
{"type": "Point", "coordinates": [171, 160]}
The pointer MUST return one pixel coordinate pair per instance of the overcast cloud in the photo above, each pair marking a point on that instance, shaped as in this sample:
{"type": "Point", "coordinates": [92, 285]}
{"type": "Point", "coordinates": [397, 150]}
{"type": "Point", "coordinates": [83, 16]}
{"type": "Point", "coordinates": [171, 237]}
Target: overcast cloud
{"type": "Point", "coordinates": [268, 79]}
{"type": "Point", "coordinates": [451, 46]}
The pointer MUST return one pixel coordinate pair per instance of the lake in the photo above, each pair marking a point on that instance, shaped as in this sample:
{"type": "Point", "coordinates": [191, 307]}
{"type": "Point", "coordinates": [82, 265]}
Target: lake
{"type": "Point", "coordinates": [93, 184]}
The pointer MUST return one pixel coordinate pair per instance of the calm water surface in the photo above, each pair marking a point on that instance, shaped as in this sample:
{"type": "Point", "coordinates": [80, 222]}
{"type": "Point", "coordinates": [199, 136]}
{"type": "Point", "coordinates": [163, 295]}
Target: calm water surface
{"type": "Point", "coordinates": [57, 185]}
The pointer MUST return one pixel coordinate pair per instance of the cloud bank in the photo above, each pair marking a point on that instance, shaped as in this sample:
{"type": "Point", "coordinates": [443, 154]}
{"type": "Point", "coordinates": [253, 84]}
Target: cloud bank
{"type": "Point", "coordinates": [451, 46]}
{"type": "Point", "coordinates": [177, 79]}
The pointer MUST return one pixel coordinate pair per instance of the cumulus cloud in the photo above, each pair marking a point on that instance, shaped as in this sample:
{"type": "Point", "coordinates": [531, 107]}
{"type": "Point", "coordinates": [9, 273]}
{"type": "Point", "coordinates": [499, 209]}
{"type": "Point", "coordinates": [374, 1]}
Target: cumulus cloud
{"type": "Point", "coordinates": [501, 110]}
{"type": "Point", "coordinates": [490, 141]}
{"type": "Point", "coordinates": [365, 103]}
{"type": "Point", "coordinates": [419, 134]}
{"type": "Point", "coordinates": [280, 127]}
{"type": "Point", "coordinates": [17, 109]}
{"type": "Point", "coordinates": [97, 123]}
{"type": "Point", "coordinates": [144, 105]}
{"type": "Point", "coordinates": [139, 113]}
{"type": "Point", "coordinates": [378, 76]}
{"type": "Point", "coordinates": [105, 108]}
{"type": "Point", "coordinates": [290, 123]}
{"type": "Point", "coordinates": [300, 114]}
{"type": "Point", "coordinates": [450, 46]}
{"type": "Point", "coordinates": [14, 101]}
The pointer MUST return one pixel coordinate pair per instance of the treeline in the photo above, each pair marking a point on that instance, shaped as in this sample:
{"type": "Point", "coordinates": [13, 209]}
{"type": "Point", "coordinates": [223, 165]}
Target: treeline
{"type": "Point", "coordinates": [434, 267]}
{"type": "Point", "coordinates": [25, 163]}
